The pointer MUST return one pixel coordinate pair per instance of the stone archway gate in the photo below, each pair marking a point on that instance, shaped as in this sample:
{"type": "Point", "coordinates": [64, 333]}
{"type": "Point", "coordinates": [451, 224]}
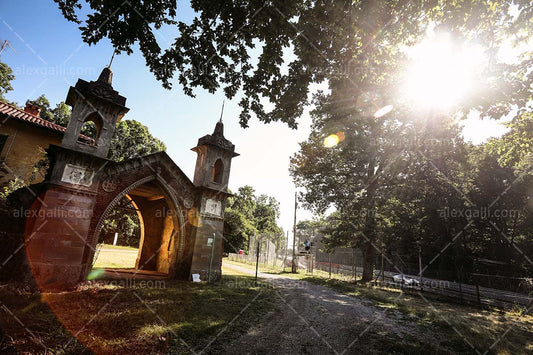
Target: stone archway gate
{"type": "Point", "coordinates": [82, 187]}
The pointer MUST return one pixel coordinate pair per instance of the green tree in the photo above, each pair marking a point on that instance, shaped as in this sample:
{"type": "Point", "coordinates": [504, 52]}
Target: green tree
{"type": "Point", "coordinates": [6, 77]}
{"type": "Point", "coordinates": [126, 224]}
{"type": "Point", "coordinates": [503, 183]}
{"type": "Point", "coordinates": [418, 217]}
{"type": "Point", "coordinates": [353, 176]}
{"type": "Point", "coordinates": [133, 139]}
{"type": "Point", "coordinates": [514, 148]}
{"type": "Point", "coordinates": [265, 215]}
{"type": "Point", "coordinates": [247, 214]}
{"type": "Point", "coordinates": [44, 104]}
{"type": "Point", "coordinates": [311, 229]}
{"type": "Point", "coordinates": [59, 115]}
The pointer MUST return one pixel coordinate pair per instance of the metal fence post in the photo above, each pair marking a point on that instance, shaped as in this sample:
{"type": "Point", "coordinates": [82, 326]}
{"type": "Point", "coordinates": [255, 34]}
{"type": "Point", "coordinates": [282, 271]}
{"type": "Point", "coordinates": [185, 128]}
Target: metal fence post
{"type": "Point", "coordinates": [257, 263]}
{"type": "Point", "coordinates": [330, 265]}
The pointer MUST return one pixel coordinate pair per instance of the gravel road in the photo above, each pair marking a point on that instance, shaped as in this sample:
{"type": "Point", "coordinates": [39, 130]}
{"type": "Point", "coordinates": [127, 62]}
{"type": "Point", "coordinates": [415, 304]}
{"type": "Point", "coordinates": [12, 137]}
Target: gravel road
{"type": "Point", "coordinates": [313, 319]}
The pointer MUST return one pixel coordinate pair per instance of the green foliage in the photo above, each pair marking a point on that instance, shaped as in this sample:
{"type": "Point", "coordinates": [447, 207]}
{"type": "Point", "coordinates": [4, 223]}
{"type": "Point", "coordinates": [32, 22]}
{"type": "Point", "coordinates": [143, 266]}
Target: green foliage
{"type": "Point", "coordinates": [6, 77]}
{"type": "Point", "coordinates": [44, 104]}
{"type": "Point", "coordinates": [59, 115]}
{"type": "Point", "coordinates": [9, 188]}
{"type": "Point", "coordinates": [312, 230]}
{"type": "Point", "coordinates": [437, 195]}
{"type": "Point", "coordinates": [274, 50]}
{"type": "Point", "coordinates": [133, 139]}
{"type": "Point", "coordinates": [126, 224]}
{"type": "Point", "coordinates": [514, 148]}
{"type": "Point", "coordinates": [89, 129]}
{"type": "Point", "coordinates": [247, 214]}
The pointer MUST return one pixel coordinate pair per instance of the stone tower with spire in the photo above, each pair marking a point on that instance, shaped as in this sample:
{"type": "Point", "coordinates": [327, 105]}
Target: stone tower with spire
{"type": "Point", "coordinates": [211, 176]}
{"type": "Point", "coordinates": [96, 102]}
{"type": "Point", "coordinates": [57, 233]}
{"type": "Point", "coordinates": [213, 162]}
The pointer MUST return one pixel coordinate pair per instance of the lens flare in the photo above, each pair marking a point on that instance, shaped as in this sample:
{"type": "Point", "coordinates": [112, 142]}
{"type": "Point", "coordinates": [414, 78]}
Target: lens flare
{"type": "Point", "coordinates": [331, 141]}
{"type": "Point", "coordinates": [341, 136]}
{"type": "Point", "coordinates": [95, 274]}
{"type": "Point", "coordinates": [383, 111]}
{"type": "Point", "coordinates": [442, 71]}
{"type": "Point", "coordinates": [194, 217]}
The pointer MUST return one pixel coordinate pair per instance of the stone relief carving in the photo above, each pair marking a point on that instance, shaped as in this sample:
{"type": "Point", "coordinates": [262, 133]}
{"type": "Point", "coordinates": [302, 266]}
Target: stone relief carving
{"type": "Point", "coordinates": [109, 185]}
{"type": "Point", "coordinates": [213, 207]}
{"type": "Point", "coordinates": [77, 175]}
{"type": "Point", "coordinates": [103, 91]}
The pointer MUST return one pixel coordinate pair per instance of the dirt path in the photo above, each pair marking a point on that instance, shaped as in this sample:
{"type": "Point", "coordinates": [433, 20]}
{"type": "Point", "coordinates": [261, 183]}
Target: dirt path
{"type": "Point", "coordinates": [313, 319]}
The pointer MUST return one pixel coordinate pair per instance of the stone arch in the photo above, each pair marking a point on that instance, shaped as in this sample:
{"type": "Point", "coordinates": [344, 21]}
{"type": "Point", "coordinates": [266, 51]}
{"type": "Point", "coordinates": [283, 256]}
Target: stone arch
{"type": "Point", "coordinates": [218, 171]}
{"type": "Point", "coordinates": [98, 122]}
{"type": "Point", "coordinates": [178, 234]}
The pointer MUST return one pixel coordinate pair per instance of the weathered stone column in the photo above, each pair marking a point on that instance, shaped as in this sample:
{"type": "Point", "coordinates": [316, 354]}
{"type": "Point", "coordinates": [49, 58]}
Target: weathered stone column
{"type": "Point", "coordinates": [211, 225]}
{"type": "Point", "coordinates": [58, 223]}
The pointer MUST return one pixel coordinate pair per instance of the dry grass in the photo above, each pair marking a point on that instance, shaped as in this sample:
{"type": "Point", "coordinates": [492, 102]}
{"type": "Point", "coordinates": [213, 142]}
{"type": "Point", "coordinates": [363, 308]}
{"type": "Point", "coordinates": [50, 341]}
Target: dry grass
{"type": "Point", "coordinates": [108, 318]}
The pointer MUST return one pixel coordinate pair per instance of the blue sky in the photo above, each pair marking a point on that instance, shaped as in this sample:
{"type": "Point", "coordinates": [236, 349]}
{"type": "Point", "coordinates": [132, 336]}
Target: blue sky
{"type": "Point", "coordinates": [51, 56]}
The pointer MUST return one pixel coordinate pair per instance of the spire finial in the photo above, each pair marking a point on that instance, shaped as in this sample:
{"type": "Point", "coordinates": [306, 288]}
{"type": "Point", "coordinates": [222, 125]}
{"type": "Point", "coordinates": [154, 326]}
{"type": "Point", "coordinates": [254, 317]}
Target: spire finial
{"type": "Point", "coordinates": [112, 57]}
{"type": "Point", "coordinates": [222, 112]}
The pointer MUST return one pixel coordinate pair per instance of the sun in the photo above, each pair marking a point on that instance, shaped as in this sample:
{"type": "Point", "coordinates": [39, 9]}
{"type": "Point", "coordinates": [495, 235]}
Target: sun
{"type": "Point", "coordinates": [441, 72]}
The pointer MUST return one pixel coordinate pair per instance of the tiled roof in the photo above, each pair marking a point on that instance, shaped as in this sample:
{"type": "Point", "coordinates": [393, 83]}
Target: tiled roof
{"type": "Point", "coordinates": [21, 115]}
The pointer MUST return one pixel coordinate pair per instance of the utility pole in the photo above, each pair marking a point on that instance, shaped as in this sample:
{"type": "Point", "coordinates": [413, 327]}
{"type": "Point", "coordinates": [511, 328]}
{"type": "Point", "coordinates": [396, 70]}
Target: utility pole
{"type": "Point", "coordinates": [294, 265]}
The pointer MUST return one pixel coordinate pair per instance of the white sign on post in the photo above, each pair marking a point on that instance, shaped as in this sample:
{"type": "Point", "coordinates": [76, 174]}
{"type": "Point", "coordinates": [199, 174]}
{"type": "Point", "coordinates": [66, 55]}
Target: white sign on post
{"type": "Point", "coordinates": [209, 241]}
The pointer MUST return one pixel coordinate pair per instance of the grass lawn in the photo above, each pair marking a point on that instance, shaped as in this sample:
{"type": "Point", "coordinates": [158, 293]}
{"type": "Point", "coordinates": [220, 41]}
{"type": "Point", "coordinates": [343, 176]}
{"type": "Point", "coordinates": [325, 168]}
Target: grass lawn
{"type": "Point", "coordinates": [116, 257]}
{"type": "Point", "coordinates": [110, 318]}
{"type": "Point", "coordinates": [119, 247]}
{"type": "Point", "coordinates": [511, 329]}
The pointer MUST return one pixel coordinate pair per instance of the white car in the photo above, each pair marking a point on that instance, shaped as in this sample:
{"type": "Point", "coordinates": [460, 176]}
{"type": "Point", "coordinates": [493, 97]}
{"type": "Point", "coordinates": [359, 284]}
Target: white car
{"type": "Point", "coordinates": [406, 280]}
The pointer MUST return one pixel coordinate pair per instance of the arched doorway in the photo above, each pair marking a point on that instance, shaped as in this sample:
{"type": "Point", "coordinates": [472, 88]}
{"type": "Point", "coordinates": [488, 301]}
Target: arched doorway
{"type": "Point", "coordinates": [159, 225]}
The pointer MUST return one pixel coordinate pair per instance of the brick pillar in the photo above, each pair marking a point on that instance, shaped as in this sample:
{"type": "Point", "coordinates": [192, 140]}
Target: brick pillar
{"type": "Point", "coordinates": [56, 235]}
{"type": "Point", "coordinates": [57, 228]}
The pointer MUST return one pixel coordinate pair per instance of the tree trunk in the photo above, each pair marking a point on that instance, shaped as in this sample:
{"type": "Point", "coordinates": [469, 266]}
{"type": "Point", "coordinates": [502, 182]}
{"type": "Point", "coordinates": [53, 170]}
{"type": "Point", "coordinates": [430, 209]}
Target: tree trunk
{"type": "Point", "coordinates": [368, 262]}
{"type": "Point", "coordinates": [370, 226]}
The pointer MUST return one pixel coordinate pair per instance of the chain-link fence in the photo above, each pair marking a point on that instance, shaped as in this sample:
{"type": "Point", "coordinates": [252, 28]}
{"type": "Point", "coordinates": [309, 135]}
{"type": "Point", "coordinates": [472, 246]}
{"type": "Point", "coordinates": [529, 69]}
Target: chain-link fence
{"type": "Point", "coordinates": [269, 255]}
{"type": "Point", "coordinates": [395, 270]}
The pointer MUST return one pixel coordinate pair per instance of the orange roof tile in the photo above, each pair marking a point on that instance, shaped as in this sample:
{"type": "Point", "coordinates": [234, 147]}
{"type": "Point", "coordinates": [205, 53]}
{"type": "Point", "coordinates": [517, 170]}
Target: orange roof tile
{"type": "Point", "coordinates": [21, 115]}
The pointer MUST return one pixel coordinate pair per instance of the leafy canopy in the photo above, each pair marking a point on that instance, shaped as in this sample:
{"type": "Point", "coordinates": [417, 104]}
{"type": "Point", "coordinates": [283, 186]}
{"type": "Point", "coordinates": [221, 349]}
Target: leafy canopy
{"type": "Point", "coordinates": [273, 50]}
